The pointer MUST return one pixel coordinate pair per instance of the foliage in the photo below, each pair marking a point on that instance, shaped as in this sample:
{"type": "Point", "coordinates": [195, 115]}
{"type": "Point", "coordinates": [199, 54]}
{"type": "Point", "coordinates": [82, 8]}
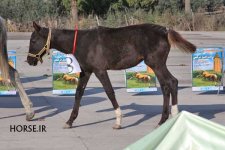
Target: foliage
{"type": "Point", "coordinates": [172, 6]}
{"type": "Point", "coordinates": [59, 85]}
{"type": "Point", "coordinates": [196, 74]}
{"type": "Point", "coordinates": [26, 10]}
{"type": "Point", "coordinates": [208, 5]}
{"type": "Point", "coordinates": [142, 4]}
{"type": "Point", "coordinates": [98, 7]}
{"type": "Point", "coordinates": [57, 76]}
{"type": "Point", "coordinates": [201, 82]}
{"type": "Point", "coordinates": [113, 13]}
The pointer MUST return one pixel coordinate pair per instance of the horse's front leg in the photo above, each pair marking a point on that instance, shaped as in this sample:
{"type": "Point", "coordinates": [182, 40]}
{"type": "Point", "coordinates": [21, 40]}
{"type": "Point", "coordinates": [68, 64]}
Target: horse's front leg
{"type": "Point", "coordinates": [84, 77]}
{"type": "Point", "coordinates": [27, 104]}
{"type": "Point", "coordinates": [103, 77]}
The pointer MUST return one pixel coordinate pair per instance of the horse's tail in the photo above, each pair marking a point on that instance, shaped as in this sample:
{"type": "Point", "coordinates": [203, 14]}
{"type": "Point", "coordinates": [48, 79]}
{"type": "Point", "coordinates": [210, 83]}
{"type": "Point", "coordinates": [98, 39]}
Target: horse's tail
{"type": "Point", "coordinates": [149, 78]}
{"type": "Point", "coordinates": [214, 77]}
{"type": "Point", "coordinates": [4, 67]}
{"type": "Point", "coordinates": [177, 40]}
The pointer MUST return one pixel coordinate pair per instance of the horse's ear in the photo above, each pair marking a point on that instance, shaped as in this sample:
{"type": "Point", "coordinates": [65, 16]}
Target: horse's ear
{"type": "Point", "coordinates": [36, 26]}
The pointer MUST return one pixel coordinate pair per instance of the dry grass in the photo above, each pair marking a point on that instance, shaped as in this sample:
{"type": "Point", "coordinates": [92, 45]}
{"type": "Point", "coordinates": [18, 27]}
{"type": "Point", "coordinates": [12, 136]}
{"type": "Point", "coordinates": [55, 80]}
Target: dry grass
{"type": "Point", "coordinates": [182, 22]}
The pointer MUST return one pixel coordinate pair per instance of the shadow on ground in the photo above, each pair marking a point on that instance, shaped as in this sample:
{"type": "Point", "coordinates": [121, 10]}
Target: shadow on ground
{"type": "Point", "coordinates": [53, 105]}
{"type": "Point", "coordinates": [59, 104]}
{"type": "Point", "coordinates": [31, 79]}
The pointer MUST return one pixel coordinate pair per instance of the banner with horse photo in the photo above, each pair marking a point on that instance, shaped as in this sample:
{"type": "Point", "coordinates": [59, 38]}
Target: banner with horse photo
{"type": "Point", "coordinates": [207, 69]}
{"type": "Point", "coordinates": [64, 80]}
{"type": "Point", "coordinates": [4, 90]}
{"type": "Point", "coordinates": [223, 60]}
{"type": "Point", "coordinates": [140, 78]}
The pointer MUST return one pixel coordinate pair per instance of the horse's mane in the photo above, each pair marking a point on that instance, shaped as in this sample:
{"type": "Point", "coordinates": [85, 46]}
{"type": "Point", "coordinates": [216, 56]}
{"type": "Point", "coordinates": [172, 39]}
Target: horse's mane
{"type": "Point", "coordinates": [4, 67]}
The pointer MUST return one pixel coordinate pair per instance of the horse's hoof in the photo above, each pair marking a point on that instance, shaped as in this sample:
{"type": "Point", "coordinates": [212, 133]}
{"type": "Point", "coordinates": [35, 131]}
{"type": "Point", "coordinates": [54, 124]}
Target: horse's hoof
{"type": "Point", "coordinates": [30, 116]}
{"type": "Point", "coordinates": [31, 104]}
{"type": "Point", "coordinates": [116, 127]}
{"type": "Point", "coordinates": [67, 126]}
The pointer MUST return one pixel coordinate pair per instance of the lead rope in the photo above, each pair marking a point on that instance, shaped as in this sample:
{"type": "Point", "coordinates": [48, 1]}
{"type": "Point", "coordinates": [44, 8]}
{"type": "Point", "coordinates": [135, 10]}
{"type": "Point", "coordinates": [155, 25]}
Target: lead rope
{"type": "Point", "coordinates": [75, 65]}
{"type": "Point", "coordinates": [75, 39]}
{"type": "Point", "coordinates": [49, 41]}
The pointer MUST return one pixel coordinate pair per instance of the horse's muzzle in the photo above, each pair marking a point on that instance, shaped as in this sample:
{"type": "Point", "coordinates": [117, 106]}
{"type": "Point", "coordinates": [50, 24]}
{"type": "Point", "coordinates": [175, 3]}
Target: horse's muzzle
{"type": "Point", "coordinates": [32, 61]}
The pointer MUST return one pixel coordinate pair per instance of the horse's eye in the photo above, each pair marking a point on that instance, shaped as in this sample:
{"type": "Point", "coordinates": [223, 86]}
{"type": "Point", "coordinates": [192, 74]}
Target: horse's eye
{"type": "Point", "coordinates": [32, 41]}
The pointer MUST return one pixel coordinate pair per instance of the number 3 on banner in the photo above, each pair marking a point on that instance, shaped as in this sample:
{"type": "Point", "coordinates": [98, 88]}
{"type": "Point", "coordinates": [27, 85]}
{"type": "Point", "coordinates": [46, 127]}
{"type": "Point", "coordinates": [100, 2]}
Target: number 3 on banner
{"type": "Point", "coordinates": [72, 63]}
{"type": "Point", "coordinates": [69, 64]}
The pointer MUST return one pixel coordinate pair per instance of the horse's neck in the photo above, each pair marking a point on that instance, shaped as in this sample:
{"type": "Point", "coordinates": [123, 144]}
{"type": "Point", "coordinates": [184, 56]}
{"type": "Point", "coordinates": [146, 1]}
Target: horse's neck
{"type": "Point", "coordinates": [62, 41]}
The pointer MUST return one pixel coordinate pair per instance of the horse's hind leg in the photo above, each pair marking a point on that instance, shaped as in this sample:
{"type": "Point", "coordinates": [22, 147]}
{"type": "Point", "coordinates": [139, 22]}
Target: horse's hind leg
{"type": "Point", "coordinates": [105, 81]}
{"type": "Point", "coordinates": [84, 77]}
{"type": "Point", "coordinates": [15, 79]}
{"type": "Point", "coordinates": [169, 85]}
{"type": "Point", "coordinates": [174, 90]}
{"type": "Point", "coordinates": [164, 84]}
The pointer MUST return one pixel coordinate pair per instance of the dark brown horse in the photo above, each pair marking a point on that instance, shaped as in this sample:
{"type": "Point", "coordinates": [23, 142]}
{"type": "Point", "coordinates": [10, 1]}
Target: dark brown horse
{"type": "Point", "coordinates": [102, 49]}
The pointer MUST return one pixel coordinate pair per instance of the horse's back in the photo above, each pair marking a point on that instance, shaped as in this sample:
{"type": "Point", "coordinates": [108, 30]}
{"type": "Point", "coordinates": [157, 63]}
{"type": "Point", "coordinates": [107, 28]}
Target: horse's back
{"type": "Point", "coordinates": [125, 47]}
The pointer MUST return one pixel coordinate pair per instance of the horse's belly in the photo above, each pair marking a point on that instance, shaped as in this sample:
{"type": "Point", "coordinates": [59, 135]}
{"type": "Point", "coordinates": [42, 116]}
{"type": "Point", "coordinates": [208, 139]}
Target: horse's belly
{"type": "Point", "coordinates": [125, 63]}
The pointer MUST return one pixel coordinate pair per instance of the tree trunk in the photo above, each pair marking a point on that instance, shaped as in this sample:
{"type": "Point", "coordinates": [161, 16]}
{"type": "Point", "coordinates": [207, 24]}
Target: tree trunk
{"type": "Point", "coordinates": [74, 13]}
{"type": "Point", "coordinates": [188, 6]}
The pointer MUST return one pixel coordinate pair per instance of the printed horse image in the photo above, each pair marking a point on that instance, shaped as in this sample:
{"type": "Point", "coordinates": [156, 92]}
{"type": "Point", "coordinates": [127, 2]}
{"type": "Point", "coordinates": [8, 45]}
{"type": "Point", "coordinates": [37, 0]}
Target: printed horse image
{"type": "Point", "coordinates": [210, 76]}
{"type": "Point", "coordinates": [142, 77]}
{"type": "Point", "coordinates": [9, 75]}
{"type": "Point", "coordinates": [70, 79]}
{"type": "Point", "coordinates": [102, 49]}
{"type": "Point", "coordinates": [1, 81]}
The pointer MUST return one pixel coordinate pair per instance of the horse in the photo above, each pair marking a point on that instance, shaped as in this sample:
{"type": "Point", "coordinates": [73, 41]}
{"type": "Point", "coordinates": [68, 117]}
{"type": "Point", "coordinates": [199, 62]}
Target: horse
{"type": "Point", "coordinates": [72, 80]}
{"type": "Point", "coordinates": [142, 77]}
{"type": "Point", "coordinates": [1, 81]}
{"type": "Point", "coordinates": [102, 48]}
{"type": "Point", "coordinates": [9, 75]}
{"type": "Point", "coordinates": [210, 76]}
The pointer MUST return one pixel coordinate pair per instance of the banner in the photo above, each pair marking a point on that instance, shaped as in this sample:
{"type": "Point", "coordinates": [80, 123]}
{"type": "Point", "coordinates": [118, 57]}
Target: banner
{"type": "Point", "coordinates": [64, 81]}
{"type": "Point", "coordinates": [140, 78]}
{"type": "Point", "coordinates": [207, 69]}
{"type": "Point", "coordinates": [224, 60]}
{"type": "Point", "coordinates": [12, 61]}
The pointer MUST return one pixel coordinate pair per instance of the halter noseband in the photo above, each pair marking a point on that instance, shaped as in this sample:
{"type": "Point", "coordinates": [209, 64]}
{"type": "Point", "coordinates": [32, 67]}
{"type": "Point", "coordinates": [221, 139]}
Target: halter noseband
{"type": "Point", "coordinates": [45, 48]}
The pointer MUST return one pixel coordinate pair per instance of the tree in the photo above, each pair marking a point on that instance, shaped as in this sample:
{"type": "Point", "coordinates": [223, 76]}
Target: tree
{"type": "Point", "coordinates": [172, 6]}
{"type": "Point", "coordinates": [118, 5]}
{"type": "Point", "coordinates": [143, 4]}
{"type": "Point", "coordinates": [74, 12]}
{"type": "Point", "coordinates": [188, 6]}
{"type": "Point", "coordinates": [96, 7]}
{"type": "Point", "coordinates": [208, 5]}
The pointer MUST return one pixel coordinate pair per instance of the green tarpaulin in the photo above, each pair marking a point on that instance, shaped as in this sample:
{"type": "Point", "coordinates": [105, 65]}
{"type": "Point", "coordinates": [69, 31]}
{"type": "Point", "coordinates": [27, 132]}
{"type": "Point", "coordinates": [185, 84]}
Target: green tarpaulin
{"type": "Point", "coordinates": [186, 131]}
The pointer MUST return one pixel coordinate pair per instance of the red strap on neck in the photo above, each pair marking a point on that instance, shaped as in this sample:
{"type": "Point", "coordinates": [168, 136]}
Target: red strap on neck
{"type": "Point", "coordinates": [75, 39]}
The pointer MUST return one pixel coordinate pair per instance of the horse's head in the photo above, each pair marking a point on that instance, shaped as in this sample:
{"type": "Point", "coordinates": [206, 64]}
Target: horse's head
{"type": "Point", "coordinates": [204, 72]}
{"type": "Point", "coordinates": [39, 44]}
